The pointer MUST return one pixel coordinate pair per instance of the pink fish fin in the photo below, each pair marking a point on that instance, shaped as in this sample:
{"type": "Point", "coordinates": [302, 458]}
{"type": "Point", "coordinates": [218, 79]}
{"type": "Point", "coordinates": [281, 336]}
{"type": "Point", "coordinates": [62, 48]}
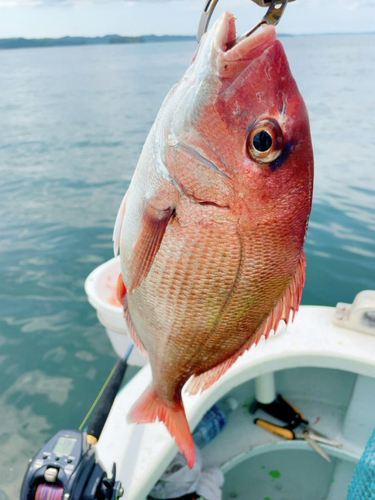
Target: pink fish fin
{"type": "Point", "coordinates": [132, 331]}
{"type": "Point", "coordinates": [118, 225]}
{"type": "Point", "coordinates": [154, 225]}
{"type": "Point", "coordinates": [201, 382]}
{"type": "Point", "coordinates": [120, 289]}
{"type": "Point", "coordinates": [290, 301]}
{"type": "Point", "coordinates": [152, 407]}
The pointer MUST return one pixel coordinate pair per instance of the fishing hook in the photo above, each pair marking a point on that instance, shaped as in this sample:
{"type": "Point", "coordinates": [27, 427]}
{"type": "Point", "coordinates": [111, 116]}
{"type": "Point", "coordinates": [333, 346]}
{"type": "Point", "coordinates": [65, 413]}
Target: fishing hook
{"type": "Point", "coordinates": [273, 15]}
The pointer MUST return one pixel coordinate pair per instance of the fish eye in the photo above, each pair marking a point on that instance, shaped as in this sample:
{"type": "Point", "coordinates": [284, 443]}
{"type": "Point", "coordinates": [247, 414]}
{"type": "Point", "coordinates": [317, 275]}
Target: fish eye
{"type": "Point", "coordinates": [262, 141]}
{"type": "Point", "coordinates": [265, 142]}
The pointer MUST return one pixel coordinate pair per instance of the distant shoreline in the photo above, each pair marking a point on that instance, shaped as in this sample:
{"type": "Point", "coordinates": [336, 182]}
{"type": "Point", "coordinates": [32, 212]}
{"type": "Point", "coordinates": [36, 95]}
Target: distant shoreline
{"type": "Point", "coordinates": [69, 41]}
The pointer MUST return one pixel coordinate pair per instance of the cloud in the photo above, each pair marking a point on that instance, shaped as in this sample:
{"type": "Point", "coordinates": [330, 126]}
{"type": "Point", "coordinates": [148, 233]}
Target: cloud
{"type": "Point", "coordinates": [35, 3]}
{"type": "Point", "coordinates": [341, 4]}
{"type": "Point", "coordinates": [51, 3]}
{"type": "Point", "coordinates": [352, 5]}
{"type": "Point", "coordinates": [20, 3]}
{"type": "Point", "coordinates": [319, 4]}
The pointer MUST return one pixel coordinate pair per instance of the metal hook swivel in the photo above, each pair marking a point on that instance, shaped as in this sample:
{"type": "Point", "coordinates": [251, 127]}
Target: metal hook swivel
{"type": "Point", "coordinates": [273, 15]}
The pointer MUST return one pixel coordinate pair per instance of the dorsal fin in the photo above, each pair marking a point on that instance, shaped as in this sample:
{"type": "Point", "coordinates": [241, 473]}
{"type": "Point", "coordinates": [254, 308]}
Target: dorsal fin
{"type": "Point", "coordinates": [290, 301]}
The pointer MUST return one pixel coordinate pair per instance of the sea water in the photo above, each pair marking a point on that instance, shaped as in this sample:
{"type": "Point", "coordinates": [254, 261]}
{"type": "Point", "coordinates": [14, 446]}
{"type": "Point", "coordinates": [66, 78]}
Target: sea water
{"type": "Point", "coordinates": [72, 124]}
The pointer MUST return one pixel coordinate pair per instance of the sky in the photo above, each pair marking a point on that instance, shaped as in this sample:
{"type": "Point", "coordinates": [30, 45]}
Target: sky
{"type": "Point", "coordinates": [56, 18]}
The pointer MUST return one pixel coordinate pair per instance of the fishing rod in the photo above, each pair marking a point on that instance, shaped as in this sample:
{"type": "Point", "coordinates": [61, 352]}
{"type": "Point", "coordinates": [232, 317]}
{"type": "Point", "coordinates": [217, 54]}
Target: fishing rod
{"type": "Point", "coordinates": [66, 467]}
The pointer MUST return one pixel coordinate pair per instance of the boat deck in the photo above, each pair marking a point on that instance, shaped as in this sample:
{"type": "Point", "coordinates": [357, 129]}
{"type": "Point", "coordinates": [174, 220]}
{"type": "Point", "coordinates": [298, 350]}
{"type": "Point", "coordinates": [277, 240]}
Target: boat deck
{"type": "Point", "coordinates": [320, 367]}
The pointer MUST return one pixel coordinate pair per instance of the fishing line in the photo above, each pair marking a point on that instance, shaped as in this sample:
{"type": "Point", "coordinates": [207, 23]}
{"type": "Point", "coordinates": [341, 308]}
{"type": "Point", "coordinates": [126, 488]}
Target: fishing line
{"type": "Point", "coordinates": [109, 378]}
{"type": "Point", "coordinates": [49, 492]}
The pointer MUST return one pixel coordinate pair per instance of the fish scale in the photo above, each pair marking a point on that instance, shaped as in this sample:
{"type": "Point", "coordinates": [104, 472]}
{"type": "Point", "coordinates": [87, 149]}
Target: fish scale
{"type": "Point", "coordinates": [211, 230]}
{"type": "Point", "coordinates": [180, 281]}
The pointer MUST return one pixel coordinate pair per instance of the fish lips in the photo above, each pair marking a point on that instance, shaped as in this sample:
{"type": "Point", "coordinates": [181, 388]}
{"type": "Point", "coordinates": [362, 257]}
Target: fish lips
{"type": "Point", "coordinates": [229, 58]}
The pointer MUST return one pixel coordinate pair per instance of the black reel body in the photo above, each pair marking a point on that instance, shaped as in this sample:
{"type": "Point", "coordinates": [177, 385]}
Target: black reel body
{"type": "Point", "coordinates": [66, 467]}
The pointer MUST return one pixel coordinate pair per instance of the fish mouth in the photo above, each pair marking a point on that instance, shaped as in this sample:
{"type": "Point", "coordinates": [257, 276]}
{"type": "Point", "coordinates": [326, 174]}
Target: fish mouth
{"type": "Point", "coordinates": [248, 48]}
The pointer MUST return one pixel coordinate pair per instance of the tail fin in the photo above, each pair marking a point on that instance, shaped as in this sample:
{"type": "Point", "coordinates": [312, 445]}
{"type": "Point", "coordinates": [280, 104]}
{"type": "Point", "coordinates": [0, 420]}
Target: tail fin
{"type": "Point", "coordinates": [151, 407]}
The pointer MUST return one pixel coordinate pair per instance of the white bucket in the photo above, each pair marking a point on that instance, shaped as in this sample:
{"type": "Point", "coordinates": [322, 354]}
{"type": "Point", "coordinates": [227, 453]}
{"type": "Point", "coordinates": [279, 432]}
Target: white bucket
{"type": "Point", "coordinates": [100, 287]}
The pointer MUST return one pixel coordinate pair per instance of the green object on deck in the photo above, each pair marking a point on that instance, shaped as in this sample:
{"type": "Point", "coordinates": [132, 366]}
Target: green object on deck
{"type": "Point", "coordinates": [275, 474]}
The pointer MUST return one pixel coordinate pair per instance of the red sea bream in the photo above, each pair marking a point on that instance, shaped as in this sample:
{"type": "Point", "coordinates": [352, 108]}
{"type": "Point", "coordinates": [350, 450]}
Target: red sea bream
{"type": "Point", "coordinates": [212, 227]}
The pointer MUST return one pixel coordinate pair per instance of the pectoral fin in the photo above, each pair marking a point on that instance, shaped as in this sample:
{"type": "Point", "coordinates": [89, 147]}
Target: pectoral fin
{"type": "Point", "coordinates": [153, 226]}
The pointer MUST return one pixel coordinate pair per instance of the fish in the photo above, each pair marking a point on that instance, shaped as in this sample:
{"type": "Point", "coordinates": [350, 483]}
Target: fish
{"type": "Point", "coordinates": [212, 227]}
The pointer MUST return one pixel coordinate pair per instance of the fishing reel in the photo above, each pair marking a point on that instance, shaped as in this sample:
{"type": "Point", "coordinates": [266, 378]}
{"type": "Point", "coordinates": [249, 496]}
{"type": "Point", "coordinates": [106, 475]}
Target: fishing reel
{"type": "Point", "coordinates": [66, 469]}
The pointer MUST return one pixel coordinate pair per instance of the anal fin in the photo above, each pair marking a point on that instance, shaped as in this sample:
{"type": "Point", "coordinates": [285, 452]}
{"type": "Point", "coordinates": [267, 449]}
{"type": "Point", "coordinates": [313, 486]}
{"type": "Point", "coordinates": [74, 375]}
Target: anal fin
{"type": "Point", "coordinates": [290, 301]}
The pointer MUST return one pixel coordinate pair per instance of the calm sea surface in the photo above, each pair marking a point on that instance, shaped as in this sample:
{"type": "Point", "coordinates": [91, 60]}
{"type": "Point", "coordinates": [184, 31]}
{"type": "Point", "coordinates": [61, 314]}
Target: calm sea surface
{"type": "Point", "coordinates": [72, 124]}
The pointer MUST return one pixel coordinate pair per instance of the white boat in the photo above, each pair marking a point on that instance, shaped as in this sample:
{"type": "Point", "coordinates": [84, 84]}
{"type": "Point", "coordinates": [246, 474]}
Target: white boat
{"type": "Point", "coordinates": [323, 362]}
